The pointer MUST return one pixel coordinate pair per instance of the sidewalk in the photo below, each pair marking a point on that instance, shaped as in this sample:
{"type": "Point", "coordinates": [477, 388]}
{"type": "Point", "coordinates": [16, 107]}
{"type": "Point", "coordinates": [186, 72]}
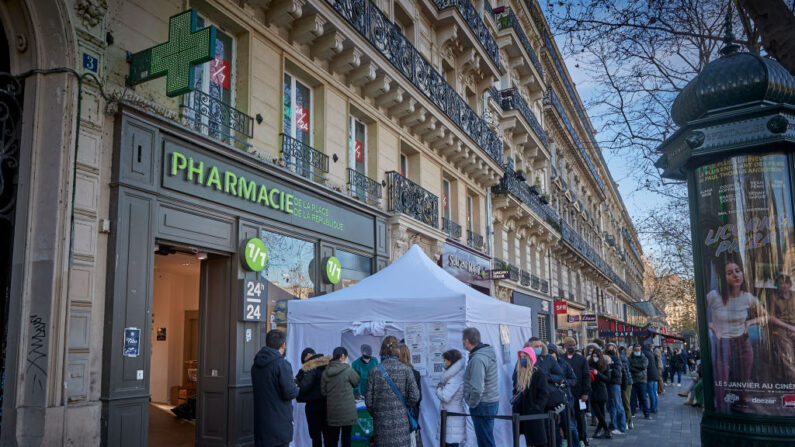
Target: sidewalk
{"type": "Point", "coordinates": [674, 425]}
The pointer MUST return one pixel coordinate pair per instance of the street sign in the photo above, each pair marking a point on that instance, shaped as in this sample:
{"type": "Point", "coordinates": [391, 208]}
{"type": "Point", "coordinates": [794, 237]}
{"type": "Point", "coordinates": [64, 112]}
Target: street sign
{"type": "Point", "coordinates": [185, 48]}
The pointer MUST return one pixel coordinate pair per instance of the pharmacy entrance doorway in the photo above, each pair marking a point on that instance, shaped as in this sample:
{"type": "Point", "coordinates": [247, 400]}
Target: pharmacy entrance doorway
{"type": "Point", "coordinates": [186, 283]}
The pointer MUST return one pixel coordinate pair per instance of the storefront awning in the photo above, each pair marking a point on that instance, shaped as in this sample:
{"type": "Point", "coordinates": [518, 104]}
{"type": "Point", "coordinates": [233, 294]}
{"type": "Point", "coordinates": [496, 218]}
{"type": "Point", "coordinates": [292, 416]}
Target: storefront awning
{"type": "Point", "coordinates": [647, 307]}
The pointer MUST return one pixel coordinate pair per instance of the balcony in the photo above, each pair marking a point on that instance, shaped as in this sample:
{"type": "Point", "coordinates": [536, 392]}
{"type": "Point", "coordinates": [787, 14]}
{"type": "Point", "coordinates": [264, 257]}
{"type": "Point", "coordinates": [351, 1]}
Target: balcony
{"type": "Point", "coordinates": [475, 23]}
{"type": "Point", "coordinates": [474, 240]}
{"type": "Point", "coordinates": [451, 228]}
{"type": "Point", "coordinates": [513, 274]}
{"type": "Point", "coordinates": [525, 281]}
{"type": "Point", "coordinates": [512, 100]}
{"type": "Point", "coordinates": [214, 118]}
{"type": "Point", "coordinates": [535, 282]}
{"type": "Point", "coordinates": [303, 159]}
{"type": "Point", "coordinates": [544, 286]}
{"type": "Point", "coordinates": [507, 19]}
{"type": "Point", "coordinates": [363, 187]}
{"type": "Point", "coordinates": [409, 198]}
{"type": "Point", "coordinates": [522, 191]}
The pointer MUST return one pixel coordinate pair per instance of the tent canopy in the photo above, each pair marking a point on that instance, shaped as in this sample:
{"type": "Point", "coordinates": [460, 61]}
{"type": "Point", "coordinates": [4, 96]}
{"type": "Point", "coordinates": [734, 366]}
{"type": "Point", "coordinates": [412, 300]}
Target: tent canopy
{"type": "Point", "coordinates": [411, 289]}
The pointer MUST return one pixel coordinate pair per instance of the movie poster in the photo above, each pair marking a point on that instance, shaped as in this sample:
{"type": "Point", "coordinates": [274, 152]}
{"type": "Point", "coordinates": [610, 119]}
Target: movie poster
{"type": "Point", "coordinates": [746, 236]}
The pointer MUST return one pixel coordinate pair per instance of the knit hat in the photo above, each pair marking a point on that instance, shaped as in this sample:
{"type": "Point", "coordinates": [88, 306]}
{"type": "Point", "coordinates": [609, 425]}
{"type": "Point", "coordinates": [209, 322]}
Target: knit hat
{"type": "Point", "coordinates": [366, 350]}
{"type": "Point", "coordinates": [569, 341]}
{"type": "Point", "coordinates": [530, 353]}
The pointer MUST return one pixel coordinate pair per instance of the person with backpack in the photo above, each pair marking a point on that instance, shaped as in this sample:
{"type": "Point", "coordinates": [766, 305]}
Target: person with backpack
{"type": "Point", "coordinates": [337, 384]}
{"type": "Point", "coordinates": [308, 380]}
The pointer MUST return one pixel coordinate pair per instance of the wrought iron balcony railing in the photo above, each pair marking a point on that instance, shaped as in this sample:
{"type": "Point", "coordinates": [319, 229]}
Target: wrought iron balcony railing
{"type": "Point", "coordinates": [365, 17]}
{"type": "Point", "coordinates": [474, 240]}
{"type": "Point", "coordinates": [544, 286]}
{"type": "Point", "coordinates": [510, 184]}
{"type": "Point", "coordinates": [451, 228]}
{"type": "Point", "coordinates": [509, 20]}
{"type": "Point", "coordinates": [571, 296]}
{"type": "Point", "coordinates": [514, 272]}
{"type": "Point", "coordinates": [535, 282]}
{"type": "Point", "coordinates": [511, 99]}
{"type": "Point", "coordinates": [409, 198]}
{"type": "Point", "coordinates": [214, 118]}
{"type": "Point", "coordinates": [303, 159]}
{"type": "Point", "coordinates": [525, 279]}
{"type": "Point", "coordinates": [363, 187]}
{"type": "Point", "coordinates": [475, 24]}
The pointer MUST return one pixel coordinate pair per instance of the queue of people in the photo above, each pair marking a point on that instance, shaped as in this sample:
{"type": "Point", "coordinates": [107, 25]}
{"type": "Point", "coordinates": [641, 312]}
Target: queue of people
{"type": "Point", "coordinates": [547, 378]}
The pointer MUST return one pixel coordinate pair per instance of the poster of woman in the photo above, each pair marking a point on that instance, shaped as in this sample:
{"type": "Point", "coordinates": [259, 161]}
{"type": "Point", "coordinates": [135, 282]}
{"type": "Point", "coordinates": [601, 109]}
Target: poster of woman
{"type": "Point", "coordinates": [746, 235]}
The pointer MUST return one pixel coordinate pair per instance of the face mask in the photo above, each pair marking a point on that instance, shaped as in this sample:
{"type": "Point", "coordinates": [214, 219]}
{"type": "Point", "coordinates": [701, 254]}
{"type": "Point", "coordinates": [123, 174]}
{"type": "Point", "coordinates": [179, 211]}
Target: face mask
{"type": "Point", "coordinates": [636, 354]}
{"type": "Point", "coordinates": [570, 350]}
{"type": "Point", "coordinates": [537, 351]}
{"type": "Point", "coordinates": [523, 362]}
{"type": "Point", "coordinates": [595, 358]}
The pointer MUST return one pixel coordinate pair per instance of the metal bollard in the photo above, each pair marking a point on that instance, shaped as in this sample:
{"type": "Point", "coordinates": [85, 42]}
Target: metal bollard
{"type": "Point", "coordinates": [443, 429]}
{"type": "Point", "coordinates": [515, 419]}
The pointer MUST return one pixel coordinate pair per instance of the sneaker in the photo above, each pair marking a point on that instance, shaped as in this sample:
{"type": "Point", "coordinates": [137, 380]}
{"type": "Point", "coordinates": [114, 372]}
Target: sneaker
{"type": "Point", "coordinates": [617, 432]}
{"type": "Point", "coordinates": [648, 418]}
{"type": "Point", "coordinates": [631, 425]}
{"type": "Point", "coordinates": [683, 394]}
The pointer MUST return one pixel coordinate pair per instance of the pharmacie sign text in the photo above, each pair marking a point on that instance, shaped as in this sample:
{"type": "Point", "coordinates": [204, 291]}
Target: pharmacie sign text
{"type": "Point", "coordinates": [195, 173]}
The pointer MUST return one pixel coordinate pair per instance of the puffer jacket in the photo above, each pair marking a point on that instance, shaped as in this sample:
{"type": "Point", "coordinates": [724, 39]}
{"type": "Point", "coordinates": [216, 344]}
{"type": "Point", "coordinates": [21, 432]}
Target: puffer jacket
{"type": "Point", "coordinates": [274, 391]}
{"type": "Point", "coordinates": [638, 365]}
{"type": "Point", "coordinates": [337, 385]}
{"type": "Point", "coordinates": [616, 370]}
{"type": "Point", "coordinates": [308, 379]}
{"type": "Point", "coordinates": [451, 396]}
{"type": "Point", "coordinates": [480, 377]}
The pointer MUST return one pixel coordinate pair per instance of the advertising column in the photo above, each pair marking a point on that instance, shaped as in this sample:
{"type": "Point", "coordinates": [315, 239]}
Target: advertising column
{"type": "Point", "coordinates": [746, 244]}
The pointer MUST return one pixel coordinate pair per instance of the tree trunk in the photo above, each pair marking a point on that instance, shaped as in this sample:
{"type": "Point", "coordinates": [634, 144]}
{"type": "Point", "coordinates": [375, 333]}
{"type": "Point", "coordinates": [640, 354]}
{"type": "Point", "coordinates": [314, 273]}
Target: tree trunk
{"type": "Point", "coordinates": [776, 24]}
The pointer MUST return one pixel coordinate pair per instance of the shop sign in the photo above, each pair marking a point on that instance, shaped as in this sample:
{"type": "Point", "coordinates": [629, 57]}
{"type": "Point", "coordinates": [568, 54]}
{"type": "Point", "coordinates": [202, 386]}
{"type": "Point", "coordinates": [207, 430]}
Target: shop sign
{"type": "Point", "coordinates": [208, 178]}
{"type": "Point", "coordinates": [252, 304]}
{"type": "Point", "coordinates": [255, 255]}
{"type": "Point", "coordinates": [561, 307]}
{"type": "Point", "coordinates": [499, 274]}
{"type": "Point", "coordinates": [132, 342]}
{"type": "Point", "coordinates": [588, 317]}
{"type": "Point", "coordinates": [745, 234]}
{"type": "Point", "coordinates": [185, 48]}
{"type": "Point", "coordinates": [333, 270]}
{"type": "Point", "coordinates": [467, 267]}
{"type": "Point", "coordinates": [573, 318]}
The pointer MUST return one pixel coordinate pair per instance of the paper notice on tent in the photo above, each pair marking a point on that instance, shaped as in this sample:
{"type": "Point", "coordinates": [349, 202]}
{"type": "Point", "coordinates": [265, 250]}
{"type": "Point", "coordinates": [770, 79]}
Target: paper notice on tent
{"type": "Point", "coordinates": [437, 345]}
{"type": "Point", "coordinates": [417, 344]}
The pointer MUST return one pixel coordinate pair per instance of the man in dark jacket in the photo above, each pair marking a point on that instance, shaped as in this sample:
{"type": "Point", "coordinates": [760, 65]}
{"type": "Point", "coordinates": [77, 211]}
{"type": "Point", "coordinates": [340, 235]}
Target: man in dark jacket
{"type": "Point", "coordinates": [652, 378]}
{"type": "Point", "coordinates": [626, 384]}
{"type": "Point", "coordinates": [639, 367]}
{"type": "Point", "coordinates": [308, 380]}
{"type": "Point", "coordinates": [274, 391]}
{"type": "Point", "coordinates": [568, 415]}
{"type": "Point", "coordinates": [583, 387]}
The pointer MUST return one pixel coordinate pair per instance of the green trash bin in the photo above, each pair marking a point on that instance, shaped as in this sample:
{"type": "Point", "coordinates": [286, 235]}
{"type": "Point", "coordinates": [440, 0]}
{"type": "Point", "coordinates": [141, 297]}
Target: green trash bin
{"type": "Point", "coordinates": [363, 431]}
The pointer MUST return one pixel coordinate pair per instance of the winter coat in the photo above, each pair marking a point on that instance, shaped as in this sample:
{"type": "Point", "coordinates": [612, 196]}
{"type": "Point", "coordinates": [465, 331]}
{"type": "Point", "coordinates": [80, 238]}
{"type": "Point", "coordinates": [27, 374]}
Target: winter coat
{"type": "Point", "coordinates": [308, 379]}
{"type": "Point", "coordinates": [555, 377]}
{"type": "Point", "coordinates": [363, 369]}
{"type": "Point", "coordinates": [451, 397]}
{"type": "Point", "coordinates": [390, 422]}
{"type": "Point", "coordinates": [638, 366]}
{"type": "Point", "coordinates": [626, 375]}
{"type": "Point", "coordinates": [480, 377]}
{"type": "Point", "coordinates": [533, 401]}
{"type": "Point", "coordinates": [274, 391]}
{"type": "Point", "coordinates": [571, 379]}
{"type": "Point", "coordinates": [415, 410]}
{"type": "Point", "coordinates": [581, 370]}
{"type": "Point", "coordinates": [677, 363]}
{"type": "Point", "coordinates": [616, 370]}
{"type": "Point", "coordinates": [653, 369]}
{"type": "Point", "coordinates": [600, 382]}
{"type": "Point", "coordinates": [337, 385]}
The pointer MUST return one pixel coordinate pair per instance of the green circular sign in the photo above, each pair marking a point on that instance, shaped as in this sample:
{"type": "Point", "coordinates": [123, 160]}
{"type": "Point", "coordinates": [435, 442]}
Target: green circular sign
{"type": "Point", "coordinates": [333, 270]}
{"type": "Point", "coordinates": [255, 255]}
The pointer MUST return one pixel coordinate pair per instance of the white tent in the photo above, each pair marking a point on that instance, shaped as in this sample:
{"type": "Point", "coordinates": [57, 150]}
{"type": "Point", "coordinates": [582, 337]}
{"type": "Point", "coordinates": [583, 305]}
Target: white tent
{"type": "Point", "coordinates": [411, 290]}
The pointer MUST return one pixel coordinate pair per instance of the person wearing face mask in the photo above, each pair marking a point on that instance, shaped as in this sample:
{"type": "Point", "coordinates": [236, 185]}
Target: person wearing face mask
{"type": "Point", "coordinates": [308, 380]}
{"type": "Point", "coordinates": [626, 385]}
{"type": "Point", "coordinates": [567, 416]}
{"type": "Point", "coordinates": [531, 393]}
{"type": "Point", "coordinates": [600, 366]}
{"type": "Point", "coordinates": [615, 407]}
{"type": "Point", "coordinates": [552, 371]}
{"type": "Point", "coordinates": [582, 387]}
{"type": "Point", "coordinates": [363, 365]}
{"type": "Point", "coordinates": [638, 366]}
{"type": "Point", "coordinates": [274, 390]}
{"type": "Point", "coordinates": [450, 392]}
{"type": "Point", "coordinates": [337, 385]}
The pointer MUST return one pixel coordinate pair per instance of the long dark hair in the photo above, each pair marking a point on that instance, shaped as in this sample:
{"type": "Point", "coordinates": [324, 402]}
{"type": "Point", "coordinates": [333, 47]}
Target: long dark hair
{"type": "Point", "coordinates": [787, 278]}
{"type": "Point", "coordinates": [724, 285]}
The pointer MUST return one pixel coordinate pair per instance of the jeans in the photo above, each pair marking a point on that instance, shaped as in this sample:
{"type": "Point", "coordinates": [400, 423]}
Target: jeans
{"type": "Point", "coordinates": [334, 435]}
{"type": "Point", "coordinates": [625, 398]}
{"type": "Point", "coordinates": [652, 391]}
{"type": "Point", "coordinates": [615, 407]}
{"type": "Point", "coordinates": [639, 393]}
{"type": "Point", "coordinates": [678, 377]}
{"type": "Point", "coordinates": [565, 421]}
{"type": "Point", "coordinates": [484, 426]}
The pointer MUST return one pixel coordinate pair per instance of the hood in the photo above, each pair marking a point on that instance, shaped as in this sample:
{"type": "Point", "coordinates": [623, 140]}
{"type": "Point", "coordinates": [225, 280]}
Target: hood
{"type": "Point", "coordinates": [454, 370]}
{"type": "Point", "coordinates": [316, 361]}
{"type": "Point", "coordinates": [336, 368]}
{"type": "Point", "coordinates": [266, 356]}
{"type": "Point", "coordinates": [485, 350]}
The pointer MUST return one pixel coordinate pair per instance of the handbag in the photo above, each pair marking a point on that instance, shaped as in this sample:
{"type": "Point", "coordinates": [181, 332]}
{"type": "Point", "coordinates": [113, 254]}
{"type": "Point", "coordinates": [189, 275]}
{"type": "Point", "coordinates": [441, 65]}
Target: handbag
{"type": "Point", "coordinates": [413, 426]}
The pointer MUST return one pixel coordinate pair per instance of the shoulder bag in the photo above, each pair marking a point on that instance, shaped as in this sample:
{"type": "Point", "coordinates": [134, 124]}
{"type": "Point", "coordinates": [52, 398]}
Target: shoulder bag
{"type": "Point", "coordinates": [413, 426]}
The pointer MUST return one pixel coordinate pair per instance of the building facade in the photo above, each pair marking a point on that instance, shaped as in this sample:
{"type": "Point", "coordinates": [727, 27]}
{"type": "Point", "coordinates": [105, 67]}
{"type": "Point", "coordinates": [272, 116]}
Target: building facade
{"type": "Point", "coordinates": [338, 133]}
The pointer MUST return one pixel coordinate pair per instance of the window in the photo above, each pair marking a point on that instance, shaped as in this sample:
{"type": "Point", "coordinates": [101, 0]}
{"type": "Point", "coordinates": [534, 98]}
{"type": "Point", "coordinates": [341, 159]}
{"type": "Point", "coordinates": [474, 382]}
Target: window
{"type": "Point", "coordinates": [404, 23]}
{"type": "Point", "coordinates": [446, 198]}
{"type": "Point", "coordinates": [543, 327]}
{"type": "Point", "coordinates": [357, 157]}
{"type": "Point", "coordinates": [298, 123]}
{"type": "Point", "coordinates": [470, 216]}
{"type": "Point", "coordinates": [354, 267]}
{"type": "Point", "coordinates": [289, 273]}
{"type": "Point", "coordinates": [404, 165]}
{"type": "Point", "coordinates": [212, 84]}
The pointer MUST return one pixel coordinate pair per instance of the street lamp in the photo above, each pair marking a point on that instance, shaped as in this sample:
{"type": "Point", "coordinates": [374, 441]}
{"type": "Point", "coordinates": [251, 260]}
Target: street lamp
{"type": "Point", "coordinates": [735, 149]}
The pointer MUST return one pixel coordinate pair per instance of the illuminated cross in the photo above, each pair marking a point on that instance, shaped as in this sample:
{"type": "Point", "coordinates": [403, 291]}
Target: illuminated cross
{"type": "Point", "coordinates": [186, 47]}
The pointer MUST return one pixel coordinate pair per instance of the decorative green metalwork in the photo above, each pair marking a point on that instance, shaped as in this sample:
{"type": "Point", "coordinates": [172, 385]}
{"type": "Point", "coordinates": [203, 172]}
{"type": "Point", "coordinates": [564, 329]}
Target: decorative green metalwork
{"type": "Point", "coordinates": [186, 47]}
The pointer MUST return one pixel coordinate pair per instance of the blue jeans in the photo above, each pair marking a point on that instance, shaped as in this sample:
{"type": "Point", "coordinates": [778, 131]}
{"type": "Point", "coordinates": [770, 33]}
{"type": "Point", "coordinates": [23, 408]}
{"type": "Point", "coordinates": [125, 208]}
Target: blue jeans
{"type": "Point", "coordinates": [565, 421]}
{"type": "Point", "coordinates": [615, 406]}
{"type": "Point", "coordinates": [484, 427]}
{"type": "Point", "coordinates": [652, 390]}
{"type": "Point", "coordinates": [678, 377]}
{"type": "Point", "coordinates": [639, 393]}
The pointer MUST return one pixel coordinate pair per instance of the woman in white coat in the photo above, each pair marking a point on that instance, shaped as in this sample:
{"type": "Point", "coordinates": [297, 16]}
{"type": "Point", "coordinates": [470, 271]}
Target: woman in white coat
{"type": "Point", "coordinates": [450, 392]}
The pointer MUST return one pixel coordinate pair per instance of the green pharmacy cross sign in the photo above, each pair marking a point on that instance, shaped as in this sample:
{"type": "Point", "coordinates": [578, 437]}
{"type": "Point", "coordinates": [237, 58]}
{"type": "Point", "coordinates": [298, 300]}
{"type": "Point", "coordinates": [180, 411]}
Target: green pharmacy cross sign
{"type": "Point", "coordinates": [186, 47]}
